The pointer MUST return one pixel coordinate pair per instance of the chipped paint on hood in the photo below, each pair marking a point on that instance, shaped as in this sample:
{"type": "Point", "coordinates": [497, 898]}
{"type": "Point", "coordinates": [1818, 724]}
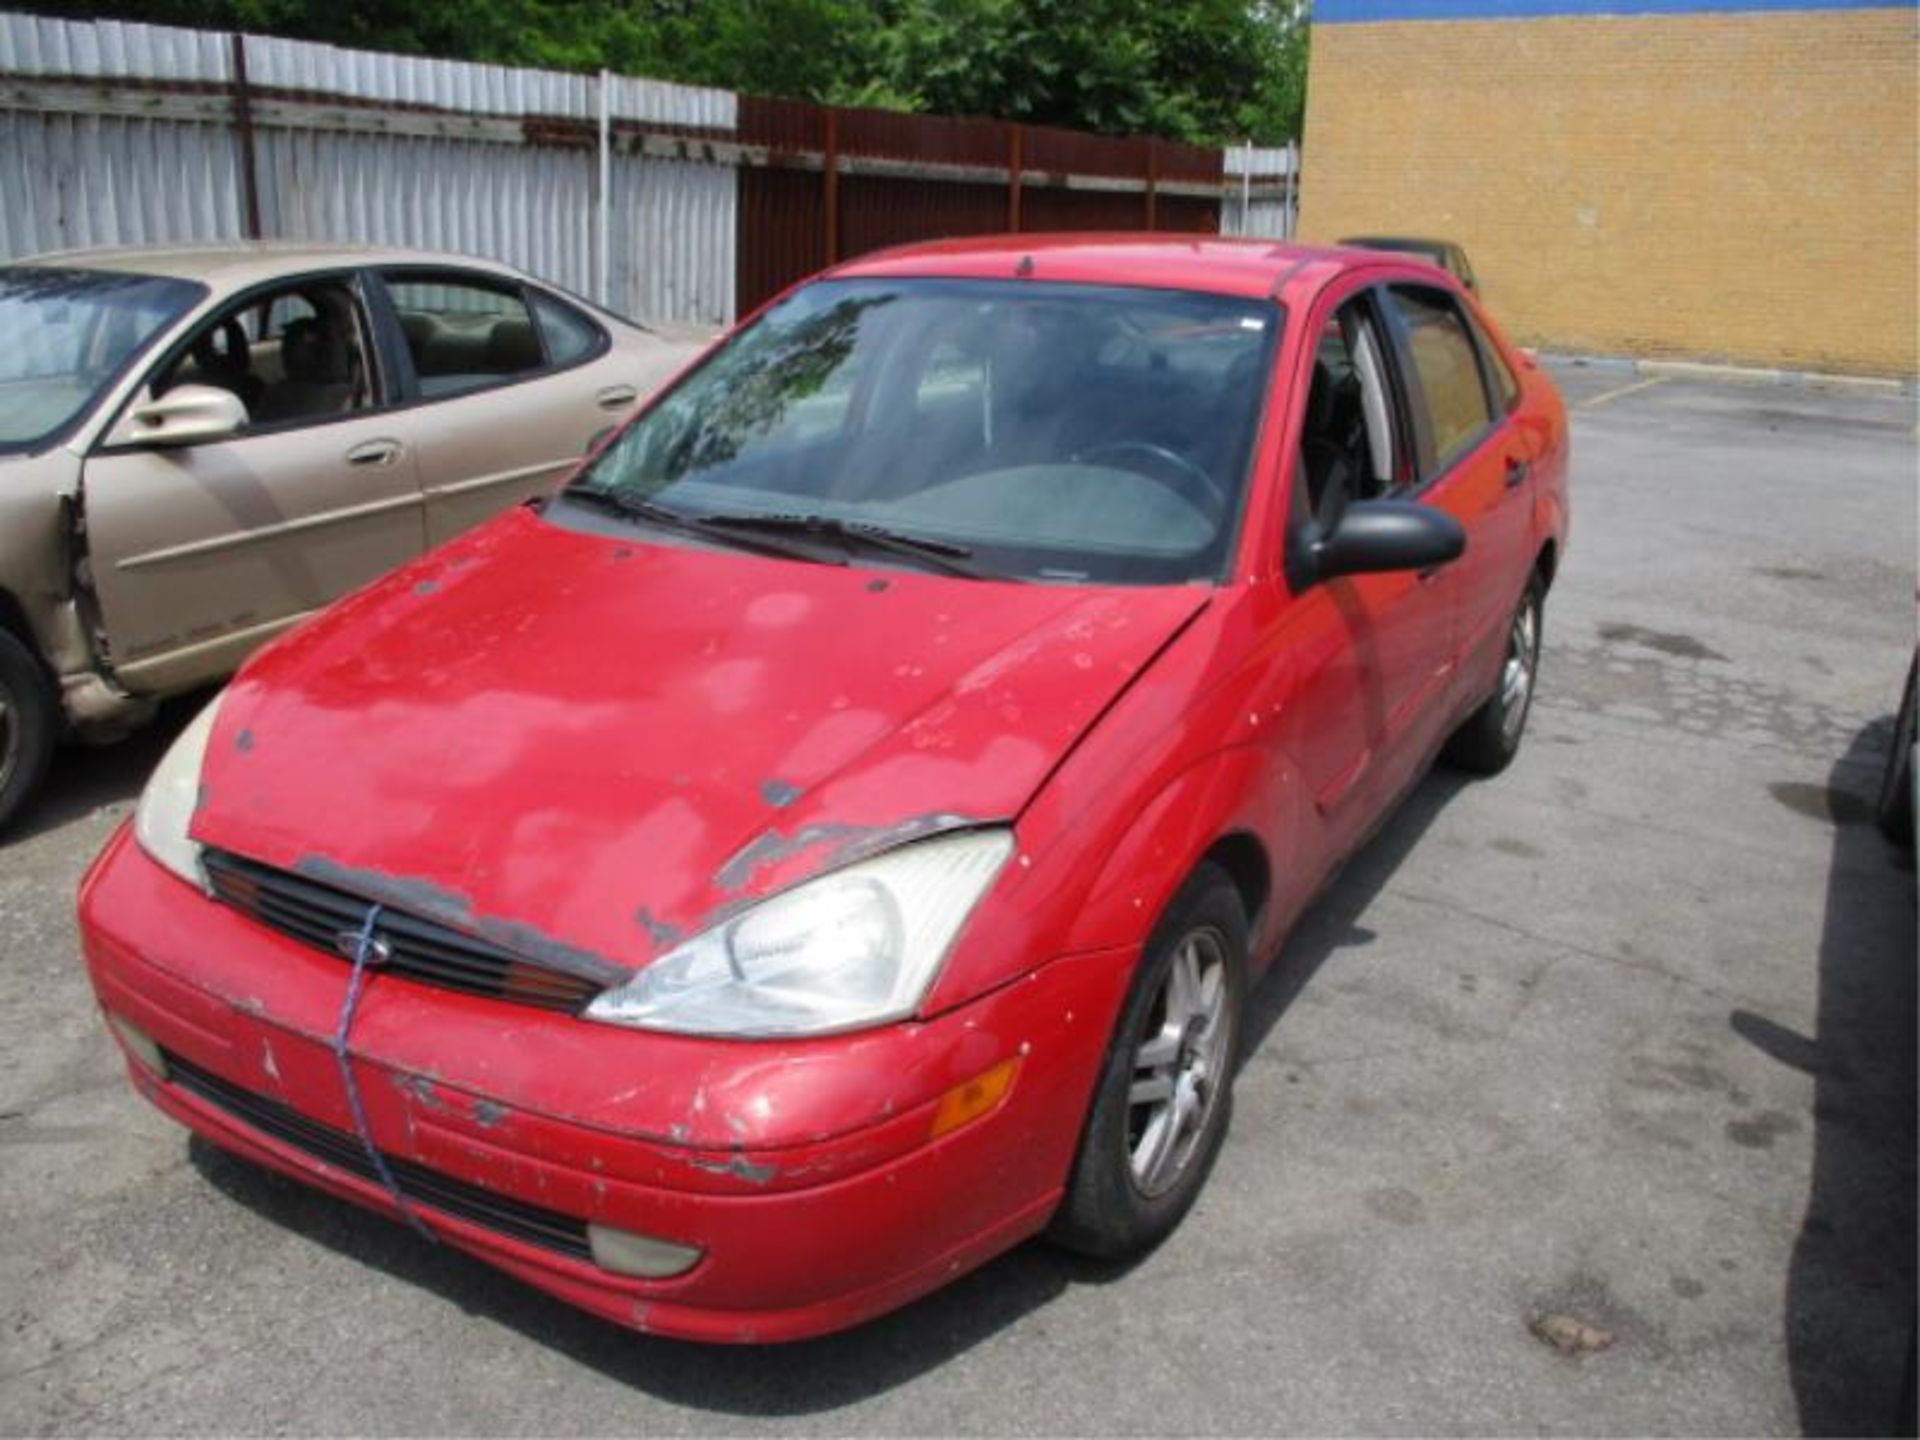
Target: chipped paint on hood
{"type": "Point", "coordinates": [594, 744]}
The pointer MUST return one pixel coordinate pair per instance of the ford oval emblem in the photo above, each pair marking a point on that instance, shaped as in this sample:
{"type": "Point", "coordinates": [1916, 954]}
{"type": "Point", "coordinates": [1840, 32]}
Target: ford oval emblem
{"type": "Point", "coordinates": [347, 942]}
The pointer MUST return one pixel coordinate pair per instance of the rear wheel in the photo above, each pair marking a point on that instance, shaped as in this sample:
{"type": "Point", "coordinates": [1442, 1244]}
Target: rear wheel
{"type": "Point", "coordinates": [1166, 1089]}
{"type": "Point", "coordinates": [29, 721]}
{"type": "Point", "coordinates": [1490, 738]}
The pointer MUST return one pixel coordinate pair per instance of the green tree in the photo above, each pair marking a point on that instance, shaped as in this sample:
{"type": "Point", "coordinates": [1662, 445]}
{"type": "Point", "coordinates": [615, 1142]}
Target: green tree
{"type": "Point", "coordinates": [1214, 71]}
{"type": "Point", "coordinates": [1209, 70]}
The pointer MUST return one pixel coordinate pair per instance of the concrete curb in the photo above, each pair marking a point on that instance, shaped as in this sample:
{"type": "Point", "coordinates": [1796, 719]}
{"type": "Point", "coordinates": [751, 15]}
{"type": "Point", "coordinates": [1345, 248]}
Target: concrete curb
{"type": "Point", "coordinates": [1732, 374]}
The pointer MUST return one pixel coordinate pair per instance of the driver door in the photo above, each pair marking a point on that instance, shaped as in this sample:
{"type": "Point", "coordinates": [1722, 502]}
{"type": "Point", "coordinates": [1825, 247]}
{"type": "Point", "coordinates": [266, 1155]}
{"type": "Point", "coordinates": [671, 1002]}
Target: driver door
{"type": "Point", "coordinates": [1377, 646]}
{"type": "Point", "coordinates": [201, 552]}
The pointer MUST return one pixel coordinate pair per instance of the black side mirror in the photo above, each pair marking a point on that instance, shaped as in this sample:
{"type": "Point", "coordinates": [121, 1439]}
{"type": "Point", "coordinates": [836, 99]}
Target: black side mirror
{"type": "Point", "coordinates": [1375, 535]}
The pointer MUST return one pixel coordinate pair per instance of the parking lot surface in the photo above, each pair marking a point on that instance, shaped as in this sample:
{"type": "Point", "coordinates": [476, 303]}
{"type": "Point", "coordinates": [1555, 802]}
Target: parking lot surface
{"type": "Point", "coordinates": [1625, 1035]}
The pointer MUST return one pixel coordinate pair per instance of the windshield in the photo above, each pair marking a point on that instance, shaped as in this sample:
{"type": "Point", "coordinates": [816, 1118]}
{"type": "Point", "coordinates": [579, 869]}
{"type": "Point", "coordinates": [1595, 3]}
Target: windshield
{"type": "Point", "coordinates": [65, 335]}
{"type": "Point", "coordinates": [1046, 431]}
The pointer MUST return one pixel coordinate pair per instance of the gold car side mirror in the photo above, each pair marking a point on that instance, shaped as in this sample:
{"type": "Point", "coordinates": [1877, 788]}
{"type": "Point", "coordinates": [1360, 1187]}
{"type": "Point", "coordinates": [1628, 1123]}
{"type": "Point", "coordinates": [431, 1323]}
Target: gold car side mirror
{"type": "Point", "coordinates": [185, 415]}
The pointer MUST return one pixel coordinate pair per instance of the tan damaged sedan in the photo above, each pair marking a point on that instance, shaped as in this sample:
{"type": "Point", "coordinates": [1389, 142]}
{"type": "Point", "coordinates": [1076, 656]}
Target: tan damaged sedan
{"type": "Point", "coordinates": [200, 446]}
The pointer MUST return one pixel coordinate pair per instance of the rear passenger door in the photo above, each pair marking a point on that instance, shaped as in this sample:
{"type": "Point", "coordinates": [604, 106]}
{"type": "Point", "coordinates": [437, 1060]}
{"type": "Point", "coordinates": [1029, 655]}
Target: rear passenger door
{"type": "Point", "coordinates": [1474, 463]}
{"type": "Point", "coordinates": [508, 387]}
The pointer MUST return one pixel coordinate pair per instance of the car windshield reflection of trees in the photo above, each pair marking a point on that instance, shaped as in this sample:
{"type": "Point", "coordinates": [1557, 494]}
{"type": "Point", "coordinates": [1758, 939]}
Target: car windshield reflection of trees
{"type": "Point", "coordinates": [797, 368]}
{"type": "Point", "coordinates": [1061, 432]}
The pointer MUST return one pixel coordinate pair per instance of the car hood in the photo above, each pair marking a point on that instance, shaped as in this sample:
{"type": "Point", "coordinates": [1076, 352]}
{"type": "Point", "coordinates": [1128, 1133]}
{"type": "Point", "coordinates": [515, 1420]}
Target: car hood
{"type": "Point", "coordinates": [591, 747]}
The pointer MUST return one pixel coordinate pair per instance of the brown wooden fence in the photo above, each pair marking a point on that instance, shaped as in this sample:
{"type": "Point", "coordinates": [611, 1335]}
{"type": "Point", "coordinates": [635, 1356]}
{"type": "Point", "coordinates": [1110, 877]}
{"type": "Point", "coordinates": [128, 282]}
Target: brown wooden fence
{"type": "Point", "coordinates": [836, 183]}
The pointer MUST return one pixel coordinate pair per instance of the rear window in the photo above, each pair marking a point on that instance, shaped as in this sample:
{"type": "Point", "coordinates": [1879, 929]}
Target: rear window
{"type": "Point", "coordinates": [463, 333]}
{"type": "Point", "coordinates": [570, 337]}
{"type": "Point", "coordinates": [1448, 370]}
{"type": "Point", "coordinates": [1500, 372]}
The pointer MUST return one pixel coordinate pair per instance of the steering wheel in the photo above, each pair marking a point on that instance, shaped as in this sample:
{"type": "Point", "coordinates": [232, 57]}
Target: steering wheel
{"type": "Point", "coordinates": [1180, 471]}
{"type": "Point", "coordinates": [234, 356]}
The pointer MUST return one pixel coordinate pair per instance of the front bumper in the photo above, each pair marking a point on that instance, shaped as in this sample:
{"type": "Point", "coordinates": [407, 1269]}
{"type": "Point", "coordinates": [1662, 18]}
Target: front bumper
{"type": "Point", "coordinates": [807, 1173]}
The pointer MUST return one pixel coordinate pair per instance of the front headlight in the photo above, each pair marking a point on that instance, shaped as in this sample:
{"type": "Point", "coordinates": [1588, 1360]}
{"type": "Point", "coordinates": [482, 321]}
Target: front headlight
{"type": "Point", "coordinates": [855, 948]}
{"type": "Point", "coordinates": [167, 804]}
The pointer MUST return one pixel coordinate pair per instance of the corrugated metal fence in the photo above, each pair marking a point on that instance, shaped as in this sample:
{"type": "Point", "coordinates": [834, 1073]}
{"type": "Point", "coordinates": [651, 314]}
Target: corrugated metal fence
{"type": "Point", "coordinates": [665, 201]}
{"type": "Point", "coordinates": [131, 134]}
{"type": "Point", "coordinates": [1261, 196]}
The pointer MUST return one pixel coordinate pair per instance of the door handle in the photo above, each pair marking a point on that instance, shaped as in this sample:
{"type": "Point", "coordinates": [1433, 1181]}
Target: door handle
{"type": "Point", "coordinates": [374, 452]}
{"type": "Point", "coordinates": [1518, 468]}
{"type": "Point", "coordinates": [616, 397]}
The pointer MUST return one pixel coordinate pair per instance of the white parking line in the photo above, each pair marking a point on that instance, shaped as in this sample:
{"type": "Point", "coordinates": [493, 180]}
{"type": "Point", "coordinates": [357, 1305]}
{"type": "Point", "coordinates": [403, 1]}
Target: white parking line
{"type": "Point", "coordinates": [1607, 395]}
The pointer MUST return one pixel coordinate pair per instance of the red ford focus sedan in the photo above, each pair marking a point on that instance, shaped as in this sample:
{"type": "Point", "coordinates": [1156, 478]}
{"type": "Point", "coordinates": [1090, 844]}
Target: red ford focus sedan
{"type": "Point", "coordinates": [830, 840]}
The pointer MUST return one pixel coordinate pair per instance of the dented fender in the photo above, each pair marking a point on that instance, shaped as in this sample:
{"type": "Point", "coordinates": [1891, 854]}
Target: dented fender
{"type": "Point", "coordinates": [1236, 792]}
{"type": "Point", "coordinates": [36, 555]}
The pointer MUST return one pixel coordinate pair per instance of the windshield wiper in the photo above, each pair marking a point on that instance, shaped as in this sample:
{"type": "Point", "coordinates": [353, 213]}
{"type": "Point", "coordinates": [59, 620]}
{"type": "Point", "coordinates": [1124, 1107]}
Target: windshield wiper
{"type": "Point", "coordinates": [638, 507]}
{"type": "Point", "coordinates": [941, 555]}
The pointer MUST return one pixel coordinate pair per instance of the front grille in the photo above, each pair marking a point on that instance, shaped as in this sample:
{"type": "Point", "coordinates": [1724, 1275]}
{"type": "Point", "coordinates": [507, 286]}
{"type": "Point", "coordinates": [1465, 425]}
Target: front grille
{"type": "Point", "coordinates": [533, 1224]}
{"type": "Point", "coordinates": [328, 918]}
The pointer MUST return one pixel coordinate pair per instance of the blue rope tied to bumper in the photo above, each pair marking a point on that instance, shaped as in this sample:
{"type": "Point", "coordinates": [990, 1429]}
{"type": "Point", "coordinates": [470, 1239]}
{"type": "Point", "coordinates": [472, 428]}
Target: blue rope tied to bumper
{"type": "Point", "coordinates": [363, 944]}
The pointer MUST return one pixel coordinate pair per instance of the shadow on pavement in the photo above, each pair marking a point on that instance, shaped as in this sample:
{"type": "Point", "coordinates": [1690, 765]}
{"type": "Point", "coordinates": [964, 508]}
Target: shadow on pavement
{"type": "Point", "coordinates": [802, 1378]}
{"type": "Point", "coordinates": [1329, 924]}
{"type": "Point", "coordinates": [1850, 1285]}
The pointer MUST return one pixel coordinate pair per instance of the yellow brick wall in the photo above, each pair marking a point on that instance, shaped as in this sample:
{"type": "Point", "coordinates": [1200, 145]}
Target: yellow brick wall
{"type": "Point", "coordinates": [1726, 186]}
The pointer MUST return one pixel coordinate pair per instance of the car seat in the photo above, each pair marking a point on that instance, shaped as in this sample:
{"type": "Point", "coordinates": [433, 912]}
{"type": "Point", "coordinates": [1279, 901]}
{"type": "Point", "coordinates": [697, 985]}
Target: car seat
{"type": "Point", "coordinates": [318, 363]}
{"type": "Point", "coordinates": [222, 358]}
{"type": "Point", "coordinates": [1330, 444]}
{"type": "Point", "coordinates": [512, 347]}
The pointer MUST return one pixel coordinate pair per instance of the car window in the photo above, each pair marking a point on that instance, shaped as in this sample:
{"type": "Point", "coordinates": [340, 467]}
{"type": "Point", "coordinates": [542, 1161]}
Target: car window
{"type": "Point", "coordinates": [292, 355]}
{"type": "Point", "coordinates": [1348, 447]}
{"type": "Point", "coordinates": [464, 333]}
{"type": "Point", "coordinates": [1055, 431]}
{"type": "Point", "coordinates": [1448, 369]}
{"type": "Point", "coordinates": [66, 334]}
{"type": "Point", "coordinates": [569, 336]}
{"type": "Point", "coordinates": [1502, 374]}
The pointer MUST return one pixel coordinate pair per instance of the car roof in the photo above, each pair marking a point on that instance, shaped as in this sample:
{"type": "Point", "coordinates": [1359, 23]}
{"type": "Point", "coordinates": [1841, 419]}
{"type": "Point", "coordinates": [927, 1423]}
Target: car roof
{"type": "Point", "coordinates": [236, 263]}
{"type": "Point", "coordinates": [1206, 263]}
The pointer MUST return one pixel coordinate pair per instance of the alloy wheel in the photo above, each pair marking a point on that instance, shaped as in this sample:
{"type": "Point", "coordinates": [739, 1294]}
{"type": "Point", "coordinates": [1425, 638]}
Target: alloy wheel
{"type": "Point", "coordinates": [1516, 678]}
{"type": "Point", "coordinates": [1179, 1065]}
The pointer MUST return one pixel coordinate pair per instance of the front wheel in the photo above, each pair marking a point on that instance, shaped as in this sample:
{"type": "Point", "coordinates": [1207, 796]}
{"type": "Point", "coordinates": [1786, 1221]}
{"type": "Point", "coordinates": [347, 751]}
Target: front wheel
{"type": "Point", "coordinates": [1166, 1089]}
{"type": "Point", "coordinates": [1489, 739]}
{"type": "Point", "coordinates": [29, 723]}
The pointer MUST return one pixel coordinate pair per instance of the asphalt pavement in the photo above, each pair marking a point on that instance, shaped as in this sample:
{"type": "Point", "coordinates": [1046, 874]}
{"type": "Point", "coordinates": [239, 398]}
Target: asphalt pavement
{"type": "Point", "coordinates": [1625, 1037]}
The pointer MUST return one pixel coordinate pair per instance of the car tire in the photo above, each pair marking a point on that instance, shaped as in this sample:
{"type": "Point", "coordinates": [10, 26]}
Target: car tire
{"type": "Point", "coordinates": [29, 724]}
{"type": "Point", "coordinates": [1145, 1152]}
{"type": "Point", "coordinates": [1487, 741]}
{"type": "Point", "coordinates": [1894, 809]}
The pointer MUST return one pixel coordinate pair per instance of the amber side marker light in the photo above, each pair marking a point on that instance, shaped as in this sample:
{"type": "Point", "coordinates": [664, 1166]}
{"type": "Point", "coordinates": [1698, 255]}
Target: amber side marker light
{"type": "Point", "coordinates": [966, 1103]}
{"type": "Point", "coordinates": [139, 1044]}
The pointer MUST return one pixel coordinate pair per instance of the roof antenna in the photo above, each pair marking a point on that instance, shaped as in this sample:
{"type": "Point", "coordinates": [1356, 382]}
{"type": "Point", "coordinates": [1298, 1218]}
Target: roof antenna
{"type": "Point", "coordinates": [1025, 268]}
